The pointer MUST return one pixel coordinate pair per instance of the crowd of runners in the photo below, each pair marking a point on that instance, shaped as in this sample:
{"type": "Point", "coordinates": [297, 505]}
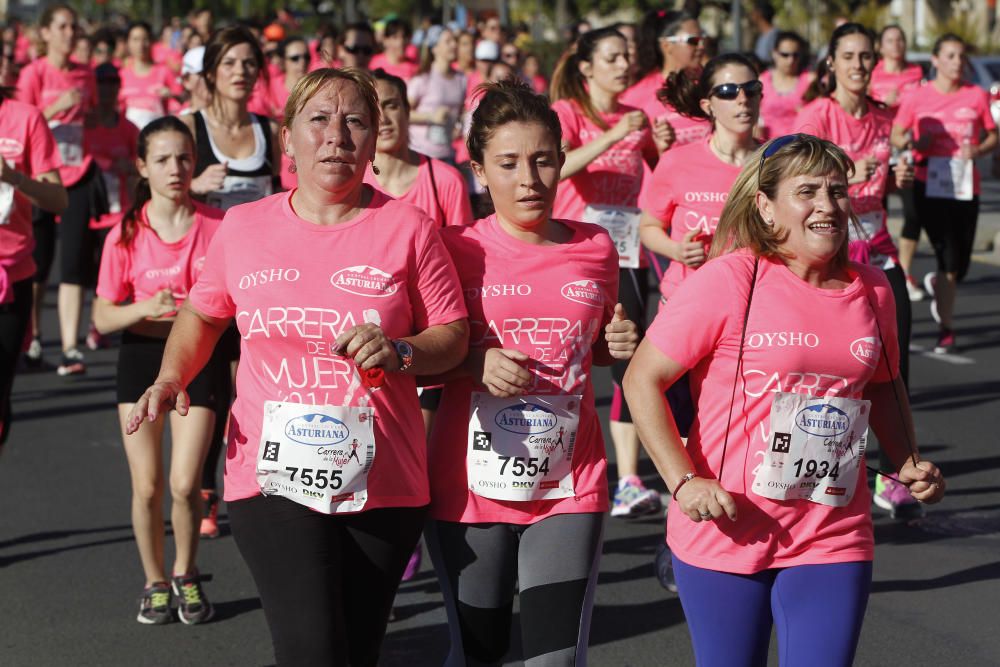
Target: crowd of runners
{"type": "Point", "coordinates": [377, 264]}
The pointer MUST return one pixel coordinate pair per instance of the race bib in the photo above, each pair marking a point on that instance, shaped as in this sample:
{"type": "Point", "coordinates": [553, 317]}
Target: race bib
{"type": "Point", "coordinates": [69, 141]}
{"type": "Point", "coordinates": [623, 226]}
{"type": "Point", "coordinates": [438, 135]}
{"type": "Point", "coordinates": [522, 448]}
{"type": "Point", "coordinates": [950, 178]}
{"type": "Point", "coordinates": [817, 449]}
{"type": "Point", "coordinates": [6, 201]}
{"type": "Point", "coordinates": [141, 117]}
{"type": "Point", "coordinates": [317, 455]}
{"type": "Point", "coordinates": [112, 184]}
{"type": "Point", "coordinates": [240, 190]}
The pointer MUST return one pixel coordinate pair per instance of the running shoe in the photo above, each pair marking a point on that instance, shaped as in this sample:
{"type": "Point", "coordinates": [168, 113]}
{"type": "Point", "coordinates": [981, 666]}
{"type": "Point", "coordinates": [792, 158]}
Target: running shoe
{"type": "Point", "coordinates": [210, 514]}
{"type": "Point", "coordinates": [154, 605]}
{"type": "Point", "coordinates": [413, 566]}
{"type": "Point", "coordinates": [96, 340]}
{"type": "Point", "coordinates": [33, 357]}
{"type": "Point", "coordinates": [913, 289]}
{"type": "Point", "coordinates": [664, 566]}
{"type": "Point", "coordinates": [633, 499]}
{"type": "Point", "coordinates": [193, 607]}
{"type": "Point", "coordinates": [894, 497]}
{"type": "Point", "coordinates": [945, 342]}
{"type": "Point", "coordinates": [934, 311]}
{"type": "Point", "coordinates": [930, 280]}
{"type": "Point", "coordinates": [72, 363]}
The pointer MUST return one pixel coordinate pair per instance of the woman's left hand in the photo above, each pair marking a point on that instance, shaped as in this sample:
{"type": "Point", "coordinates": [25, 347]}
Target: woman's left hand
{"type": "Point", "coordinates": [904, 173]}
{"type": "Point", "coordinates": [924, 480]}
{"type": "Point", "coordinates": [368, 345]}
{"type": "Point", "coordinates": [622, 335]}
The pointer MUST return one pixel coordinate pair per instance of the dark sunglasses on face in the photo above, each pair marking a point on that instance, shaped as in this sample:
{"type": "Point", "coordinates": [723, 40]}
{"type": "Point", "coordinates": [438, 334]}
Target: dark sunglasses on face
{"type": "Point", "coordinates": [359, 50]}
{"type": "Point", "coordinates": [297, 57]}
{"type": "Point", "coordinates": [730, 91]}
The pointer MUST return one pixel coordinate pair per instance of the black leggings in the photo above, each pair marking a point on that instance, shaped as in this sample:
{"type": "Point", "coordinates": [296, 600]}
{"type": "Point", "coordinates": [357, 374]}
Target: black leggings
{"type": "Point", "coordinates": [553, 562]}
{"type": "Point", "coordinates": [951, 228]}
{"type": "Point", "coordinates": [77, 241]}
{"type": "Point", "coordinates": [633, 288]}
{"type": "Point", "coordinates": [14, 319]}
{"type": "Point", "coordinates": [326, 582]}
{"type": "Point", "coordinates": [904, 324]}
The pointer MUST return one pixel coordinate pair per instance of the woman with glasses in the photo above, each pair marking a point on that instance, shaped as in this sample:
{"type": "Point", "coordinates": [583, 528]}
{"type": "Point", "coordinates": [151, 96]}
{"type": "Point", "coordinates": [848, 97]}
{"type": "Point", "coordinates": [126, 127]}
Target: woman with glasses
{"type": "Point", "coordinates": [948, 125]}
{"type": "Point", "coordinates": [357, 49]}
{"type": "Point", "coordinates": [296, 59]}
{"type": "Point", "coordinates": [845, 116]}
{"type": "Point", "coordinates": [792, 353]}
{"type": "Point", "coordinates": [669, 41]}
{"type": "Point", "coordinates": [437, 96]}
{"type": "Point", "coordinates": [784, 85]}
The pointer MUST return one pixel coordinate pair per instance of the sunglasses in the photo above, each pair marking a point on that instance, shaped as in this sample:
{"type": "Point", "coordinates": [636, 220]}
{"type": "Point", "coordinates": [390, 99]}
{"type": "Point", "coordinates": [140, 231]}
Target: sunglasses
{"type": "Point", "coordinates": [359, 50]}
{"type": "Point", "coordinates": [772, 148]}
{"type": "Point", "coordinates": [684, 38]}
{"type": "Point", "coordinates": [730, 91]}
{"type": "Point", "coordinates": [297, 57]}
{"type": "Point", "coordinates": [788, 54]}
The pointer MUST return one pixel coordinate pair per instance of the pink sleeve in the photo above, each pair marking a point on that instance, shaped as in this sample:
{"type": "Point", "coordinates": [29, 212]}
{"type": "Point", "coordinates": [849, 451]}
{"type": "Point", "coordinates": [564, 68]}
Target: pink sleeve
{"type": "Point", "coordinates": [435, 292]}
{"type": "Point", "coordinates": [885, 310]}
{"type": "Point", "coordinates": [454, 191]}
{"type": "Point", "coordinates": [415, 90]}
{"type": "Point", "coordinates": [112, 281]}
{"type": "Point", "coordinates": [710, 301]}
{"type": "Point", "coordinates": [29, 88]}
{"type": "Point", "coordinates": [43, 155]}
{"type": "Point", "coordinates": [210, 295]}
{"type": "Point", "coordinates": [984, 113]}
{"type": "Point", "coordinates": [656, 198]}
{"type": "Point", "coordinates": [810, 120]}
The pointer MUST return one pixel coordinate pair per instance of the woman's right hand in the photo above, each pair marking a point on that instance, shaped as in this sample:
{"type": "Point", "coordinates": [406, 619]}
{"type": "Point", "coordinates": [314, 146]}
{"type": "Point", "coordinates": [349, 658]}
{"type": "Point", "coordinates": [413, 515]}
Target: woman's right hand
{"type": "Point", "coordinates": [69, 99]}
{"type": "Point", "coordinates": [160, 304]}
{"type": "Point", "coordinates": [210, 180]}
{"type": "Point", "coordinates": [691, 250]}
{"type": "Point", "coordinates": [503, 373]}
{"type": "Point", "coordinates": [162, 397]}
{"type": "Point", "coordinates": [702, 497]}
{"type": "Point", "coordinates": [628, 123]}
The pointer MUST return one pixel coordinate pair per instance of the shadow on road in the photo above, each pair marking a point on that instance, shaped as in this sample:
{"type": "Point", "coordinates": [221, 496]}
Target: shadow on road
{"type": "Point", "coordinates": [951, 397]}
{"type": "Point", "coordinates": [233, 608]}
{"type": "Point", "coordinates": [969, 576]}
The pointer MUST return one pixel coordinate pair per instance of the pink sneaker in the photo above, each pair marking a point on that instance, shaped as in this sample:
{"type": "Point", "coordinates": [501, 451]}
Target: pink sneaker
{"type": "Point", "coordinates": [413, 566]}
{"type": "Point", "coordinates": [894, 497]}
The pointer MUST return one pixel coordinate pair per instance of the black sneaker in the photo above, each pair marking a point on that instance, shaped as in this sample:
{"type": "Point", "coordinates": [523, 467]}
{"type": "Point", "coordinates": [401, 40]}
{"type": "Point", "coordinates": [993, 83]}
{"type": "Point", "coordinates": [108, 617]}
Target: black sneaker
{"type": "Point", "coordinates": [664, 566]}
{"type": "Point", "coordinates": [154, 605]}
{"type": "Point", "coordinates": [72, 363]}
{"type": "Point", "coordinates": [193, 607]}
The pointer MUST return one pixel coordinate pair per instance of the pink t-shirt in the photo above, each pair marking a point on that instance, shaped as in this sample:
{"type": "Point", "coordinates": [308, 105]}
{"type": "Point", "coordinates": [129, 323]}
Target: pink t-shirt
{"type": "Point", "coordinates": [405, 70]}
{"type": "Point", "coordinates": [429, 92]}
{"type": "Point", "coordinates": [26, 142]}
{"type": "Point", "coordinates": [137, 272]}
{"type": "Point", "coordinates": [164, 55]}
{"type": "Point", "coordinates": [687, 191]}
{"type": "Point", "coordinates": [41, 84]}
{"type": "Point", "coordinates": [514, 292]}
{"type": "Point", "coordinates": [859, 138]}
{"type": "Point", "coordinates": [293, 287]}
{"type": "Point", "coordinates": [113, 148]}
{"type": "Point", "coordinates": [883, 83]}
{"type": "Point", "coordinates": [778, 110]}
{"type": "Point", "coordinates": [642, 95]}
{"type": "Point", "coordinates": [798, 339]}
{"type": "Point", "coordinates": [140, 96]}
{"type": "Point", "coordinates": [949, 119]}
{"type": "Point", "coordinates": [448, 204]}
{"type": "Point", "coordinates": [279, 95]}
{"type": "Point", "coordinates": [261, 98]}
{"type": "Point", "coordinates": [615, 177]}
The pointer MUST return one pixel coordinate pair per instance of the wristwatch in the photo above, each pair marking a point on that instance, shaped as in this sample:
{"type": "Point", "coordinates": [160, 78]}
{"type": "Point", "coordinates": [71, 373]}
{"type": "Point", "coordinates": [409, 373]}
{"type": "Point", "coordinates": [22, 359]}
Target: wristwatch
{"type": "Point", "coordinates": [405, 353]}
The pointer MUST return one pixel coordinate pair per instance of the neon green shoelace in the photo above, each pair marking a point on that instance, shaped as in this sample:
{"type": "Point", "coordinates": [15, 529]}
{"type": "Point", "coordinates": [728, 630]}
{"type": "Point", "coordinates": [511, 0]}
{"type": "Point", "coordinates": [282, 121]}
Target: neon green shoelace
{"type": "Point", "coordinates": [159, 599]}
{"type": "Point", "coordinates": [191, 593]}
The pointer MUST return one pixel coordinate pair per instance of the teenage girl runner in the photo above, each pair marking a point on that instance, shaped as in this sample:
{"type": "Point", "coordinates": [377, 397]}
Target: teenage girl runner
{"type": "Point", "coordinates": [150, 262]}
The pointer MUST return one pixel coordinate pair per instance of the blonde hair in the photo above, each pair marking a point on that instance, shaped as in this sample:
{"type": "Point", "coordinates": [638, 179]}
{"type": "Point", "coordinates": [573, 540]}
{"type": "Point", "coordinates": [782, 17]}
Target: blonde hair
{"type": "Point", "coordinates": [741, 224]}
{"type": "Point", "coordinates": [314, 81]}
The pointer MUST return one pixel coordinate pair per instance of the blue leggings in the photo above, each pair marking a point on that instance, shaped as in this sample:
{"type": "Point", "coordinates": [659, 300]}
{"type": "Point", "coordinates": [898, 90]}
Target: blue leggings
{"type": "Point", "coordinates": [817, 609]}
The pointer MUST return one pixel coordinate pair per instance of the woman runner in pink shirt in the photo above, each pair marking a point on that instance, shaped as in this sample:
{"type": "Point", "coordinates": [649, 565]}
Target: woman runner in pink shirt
{"type": "Point", "coordinates": [792, 354]}
{"type": "Point", "coordinates": [147, 87]}
{"type": "Point", "coordinates": [150, 262]}
{"type": "Point", "coordinates": [784, 85]}
{"type": "Point", "coordinates": [519, 483]}
{"type": "Point", "coordinates": [342, 296]}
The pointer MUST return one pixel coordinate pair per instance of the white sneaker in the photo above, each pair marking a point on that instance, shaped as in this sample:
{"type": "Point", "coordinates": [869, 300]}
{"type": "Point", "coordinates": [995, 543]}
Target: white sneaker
{"type": "Point", "coordinates": [930, 280]}
{"type": "Point", "coordinates": [913, 289]}
{"type": "Point", "coordinates": [934, 311]}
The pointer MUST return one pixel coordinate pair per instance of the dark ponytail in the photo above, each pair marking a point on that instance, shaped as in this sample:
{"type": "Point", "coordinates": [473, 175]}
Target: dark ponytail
{"type": "Point", "coordinates": [568, 82]}
{"type": "Point", "coordinates": [656, 24]}
{"type": "Point", "coordinates": [142, 194]}
{"type": "Point", "coordinates": [685, 89]}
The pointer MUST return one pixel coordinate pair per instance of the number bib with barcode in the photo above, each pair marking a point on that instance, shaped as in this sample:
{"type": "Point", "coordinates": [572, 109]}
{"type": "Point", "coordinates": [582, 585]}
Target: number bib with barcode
{"type": "Point", "coordinates": [623, 226]}
{"type": "Point", "coordinates": [816, 450]}
{"type": "Point", "coordinates": [950, 178]}
{"type": "Point", "coordinates": [317, 455]}
{"type": "Point", "coordinates": [69, 141]}
{"type": "Point", "coordinates": [522, 448]}
{"type": "Point", "coordinates": [239, 190]}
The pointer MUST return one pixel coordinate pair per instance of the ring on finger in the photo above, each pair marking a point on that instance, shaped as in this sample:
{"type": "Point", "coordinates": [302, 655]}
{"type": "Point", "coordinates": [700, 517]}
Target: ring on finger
{"type": "Point", "coordinates": [705, 515]}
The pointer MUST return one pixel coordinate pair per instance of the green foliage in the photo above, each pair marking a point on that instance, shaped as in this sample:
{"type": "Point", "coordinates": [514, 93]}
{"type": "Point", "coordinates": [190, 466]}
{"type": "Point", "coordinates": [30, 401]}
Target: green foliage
{"type": "Point", "coordinates": [965, 26]}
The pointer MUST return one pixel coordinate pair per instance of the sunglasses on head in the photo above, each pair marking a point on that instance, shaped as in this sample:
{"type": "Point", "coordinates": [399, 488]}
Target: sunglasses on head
{"type": "Point", "coordinates": [772, 148]}
{"type": "Point", "coordinates": [730, 91]}
{"type": "Point", "coordinates": [297, 57]}
{"type": "Point", "coordinates": [684, 38]}
{"type": "Point", "coordinates": [359, 50]}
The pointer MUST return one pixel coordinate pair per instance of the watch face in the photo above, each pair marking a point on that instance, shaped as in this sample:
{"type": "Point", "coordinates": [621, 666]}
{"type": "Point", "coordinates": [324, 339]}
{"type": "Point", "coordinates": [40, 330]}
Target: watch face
{"type": "Point", "coordinates": [403, 348]}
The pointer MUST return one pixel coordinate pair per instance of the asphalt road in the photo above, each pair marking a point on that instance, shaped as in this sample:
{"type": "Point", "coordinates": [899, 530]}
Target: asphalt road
{"type": "Point", "coordinates": [70, 574]}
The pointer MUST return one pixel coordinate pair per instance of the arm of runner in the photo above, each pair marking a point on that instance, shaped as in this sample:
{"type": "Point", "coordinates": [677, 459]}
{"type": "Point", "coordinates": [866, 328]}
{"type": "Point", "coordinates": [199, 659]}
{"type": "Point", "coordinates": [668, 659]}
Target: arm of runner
{"type": "Point", "coordinates": [892, 422]}
{"type": "Point", "coordinates": [648, 376]}
{"type": "Point", "coordinates": [501, 371]}
{"type": "Point", "coordinates": [436, 349]}
{"type": "Point", "coordinates": [900, 137]}
{"type": "Point", "coordinates": [985, 147]}
{"type": "Point", "coordinates": [67, 100]}
{"type": "Point", "coordinates": [863, 170]}
{"type": "Point", "coordinates": [46, 191]}
{"type": "Point", "coordinates": [110, 317]}
{"type": "Point", "coordinates": [192, 340]}
{"type": "Point", "coordinates": [621, 337]}
{"type": "Point", "coordinates": [690, 251]}
{"type": "Point", "coordinates": [577, 159]}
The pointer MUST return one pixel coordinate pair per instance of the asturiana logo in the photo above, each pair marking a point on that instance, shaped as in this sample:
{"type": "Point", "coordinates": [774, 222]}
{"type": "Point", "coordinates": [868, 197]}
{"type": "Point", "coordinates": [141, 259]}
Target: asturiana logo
{"type": "Point", "coordinates": [865, 350]}
{"type": "Point", "coordinates": [317, 430]}
{"type": "Point", "coordinates": [526, 419]}
{"type": "Point", "coordinates": [587, 292]}
{"type": "Point", "coordinates": [365, 281]}
{"type": "Point", "coordinates": [823, 420]}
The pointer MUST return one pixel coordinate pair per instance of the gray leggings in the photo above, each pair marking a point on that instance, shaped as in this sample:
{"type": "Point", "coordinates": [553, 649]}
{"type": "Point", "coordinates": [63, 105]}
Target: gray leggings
{"type": "Point", "coordinates": [554, 565]}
